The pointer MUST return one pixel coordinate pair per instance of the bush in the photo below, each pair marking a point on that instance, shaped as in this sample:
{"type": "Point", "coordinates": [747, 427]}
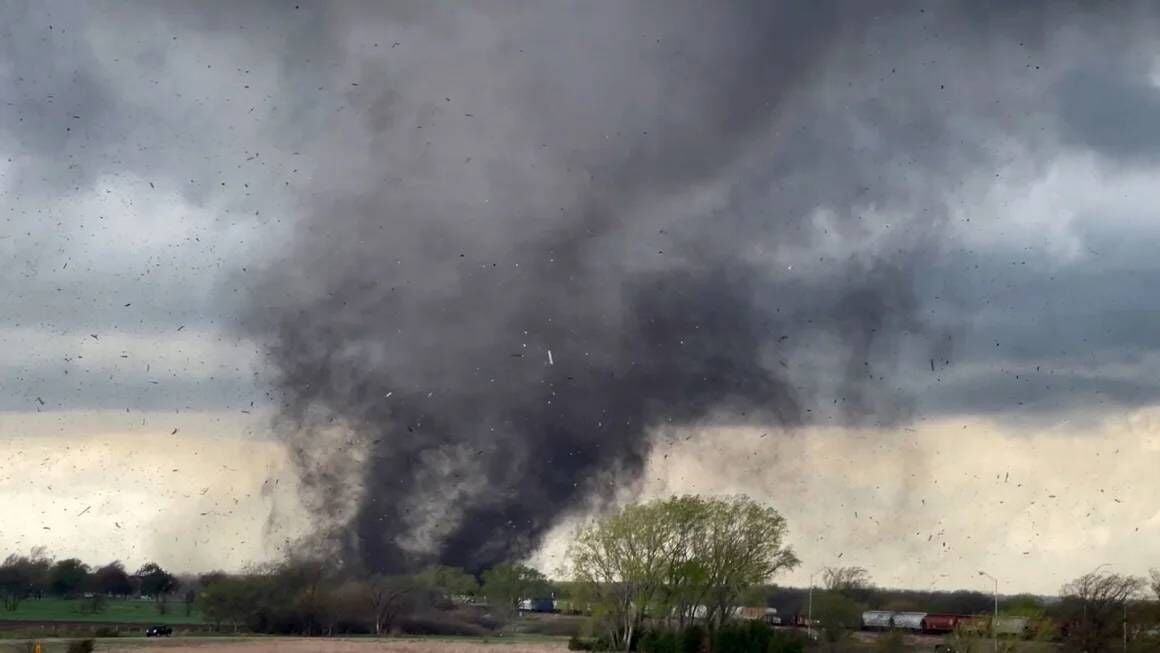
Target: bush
{"type": "Point", "coordinates": [692, 640]}
{"type": "Point", "coordinates": [659, 641]}
{"type": "Point", "coordinates": [748, 637]}
{"type": "Point", "coordinates": [743, 637]}
{"type": "Point", "coordinates": [581, 644]}
{"type": "Point", "coordinates": [81, 646]}
{"type": "Point", "coordinates": [590, 644]}
{"type": "Point", "coordinates": [106, 631]}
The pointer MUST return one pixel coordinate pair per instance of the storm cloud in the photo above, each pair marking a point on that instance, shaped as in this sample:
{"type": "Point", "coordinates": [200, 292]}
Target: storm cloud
{"type": "Point", "coordinates": [642, 219]}
{"type": "Point", "coordinates": [475, 256]}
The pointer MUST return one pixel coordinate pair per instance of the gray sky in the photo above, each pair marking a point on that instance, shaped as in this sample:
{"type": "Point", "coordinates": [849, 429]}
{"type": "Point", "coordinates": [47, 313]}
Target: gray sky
{"type": "Point", "coordinates": [165, 168]}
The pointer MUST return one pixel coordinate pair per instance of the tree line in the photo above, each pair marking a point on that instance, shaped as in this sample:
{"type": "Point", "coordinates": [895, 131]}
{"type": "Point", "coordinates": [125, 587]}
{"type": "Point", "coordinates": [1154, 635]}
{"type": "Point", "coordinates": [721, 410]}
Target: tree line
{"type": "Point", "coordinates": [647, 576]}
{"type": "Point", "coordinates": [311, 596]}
{"type": "Point", "coordinates": [38, 576]}
{"type": "Point", "coordinates": [1099, 611]}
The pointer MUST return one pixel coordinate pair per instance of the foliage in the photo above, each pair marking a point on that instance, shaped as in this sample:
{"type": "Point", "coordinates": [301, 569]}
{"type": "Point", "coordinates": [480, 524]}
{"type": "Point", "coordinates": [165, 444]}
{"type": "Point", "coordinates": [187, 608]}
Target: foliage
{"type": "Point", "coordinates": [733, 637]}
{"type": "Point", "coordinates": [112, 579]}
{"type": "Point", "coordinates": [227, 600]}
{"type": "Point", "coordinates": [452, 583]}
{"type": "Point", "coordinates": [68, 577]}
{"type": "Point", "coordinates": [576, 643]}
{"type": "Point", "coordinates": [838, 615]}
{"type": "Point", "coordinates": [155, 581]}
{"type": "Point", "coordinates": [81, 646]}
{"type": "Point", "coordinates": [677, 557]}
{"type": "Point", "coordinates": [190, 599]}
{"type": "Point", "coordinates": [506, 585]}
{"type": "Point", "coordinates": [1154, 581]}
{"type": "Point", "coordinates": [22, 577]}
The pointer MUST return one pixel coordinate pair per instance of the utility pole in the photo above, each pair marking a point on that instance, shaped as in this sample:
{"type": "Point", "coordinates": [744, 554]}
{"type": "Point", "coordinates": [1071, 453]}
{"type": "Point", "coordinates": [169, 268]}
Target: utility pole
{"type": "Point", "coordinates": [995, 618]}
{"type": "Point", "coordinates": [810, 616]}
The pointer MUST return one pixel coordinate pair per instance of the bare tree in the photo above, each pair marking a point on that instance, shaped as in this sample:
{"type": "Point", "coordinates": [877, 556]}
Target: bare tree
{"type": "Point", "coordinates": [390, 597]}
{"type": "Point", "coordinates": [846, 580]}
{"type": "Point", "coordinates": [1097, 602]}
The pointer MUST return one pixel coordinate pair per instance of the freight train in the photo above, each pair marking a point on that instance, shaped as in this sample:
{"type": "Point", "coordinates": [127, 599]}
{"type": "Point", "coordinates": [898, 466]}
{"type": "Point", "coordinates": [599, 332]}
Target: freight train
{"type": "Point", "coordinates": [935, 623]}
{"type": "Point", "coordinates": [930, 623]}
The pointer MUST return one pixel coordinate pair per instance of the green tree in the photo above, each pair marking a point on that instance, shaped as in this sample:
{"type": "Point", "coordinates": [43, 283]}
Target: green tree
{"type": "Point", "coordinates": [742, 545]}
{"type": "Point", "coordinates": [157, 583]}
{"type": "Point", "coordinates": [622, 565]}
{"type": "Point", "coordinates": [1154, 581]}
{"type": "Point", "coordinates": [15, 581]}
{"type": "Point", "coordinates": [452, 583]}
{"type": "Point", "coordinates": [229, 600]}
{"type": "Point", "coordinates": [68, 577]}
{"type": "Point", "coordinates": [506, 585]}
{"type": "Point", "coordinates": [681, 557]}
{"type": "Point", "coordinates": [838, 615]}
{"type": "Point", "coordinates": [112, 580]}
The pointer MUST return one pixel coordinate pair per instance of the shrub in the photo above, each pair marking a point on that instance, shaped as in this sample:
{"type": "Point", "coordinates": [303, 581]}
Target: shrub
{"type": "Point", "coordinates": [581, 644]}
{"type": "Point", "coordinates": [106, 631]}
{"type": "Point", "coordinates": [590, 644]}
{"type": "Point", "coordinates": [747, 637]}
{"type": "Point", "coordinates": [81, 646]}
{"type": "Point", "coordinates": [659, 641]}
{"type": "Point", "coordinates": [692, 640]}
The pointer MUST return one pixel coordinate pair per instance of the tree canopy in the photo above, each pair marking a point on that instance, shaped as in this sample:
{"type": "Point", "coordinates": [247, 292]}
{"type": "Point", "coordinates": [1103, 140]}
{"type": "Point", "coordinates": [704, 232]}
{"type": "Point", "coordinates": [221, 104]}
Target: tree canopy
{"type": "Point", "coordinates": [678, 558]}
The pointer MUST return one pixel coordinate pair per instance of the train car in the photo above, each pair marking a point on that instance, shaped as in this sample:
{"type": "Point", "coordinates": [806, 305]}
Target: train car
{"type": "Point", "coordinates": [940, 623]}
{"type": "Point", "coordinates": [877, 620]}
{"type": "Point", "coordinates": [911, 621]}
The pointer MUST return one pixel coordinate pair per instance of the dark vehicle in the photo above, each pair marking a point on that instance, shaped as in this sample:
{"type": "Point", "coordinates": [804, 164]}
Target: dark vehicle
{"type": "Point", "coordinates": [158, 631]}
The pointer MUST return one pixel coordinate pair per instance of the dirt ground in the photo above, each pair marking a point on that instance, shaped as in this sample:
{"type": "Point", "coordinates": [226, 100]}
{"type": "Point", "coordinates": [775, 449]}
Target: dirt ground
{"type": "Point", "coordinates": [291, 645]}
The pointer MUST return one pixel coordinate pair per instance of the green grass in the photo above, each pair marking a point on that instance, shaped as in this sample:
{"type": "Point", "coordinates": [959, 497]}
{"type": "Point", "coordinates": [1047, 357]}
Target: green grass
{"type": "Point", "coordinates": [116, 611]}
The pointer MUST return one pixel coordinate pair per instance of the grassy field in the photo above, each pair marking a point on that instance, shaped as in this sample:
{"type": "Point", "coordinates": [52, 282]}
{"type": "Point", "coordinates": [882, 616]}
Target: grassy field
{"type": "Point", "coordinates": [300, 645]}
{"type": "Point", "coordinates": [116, 611]}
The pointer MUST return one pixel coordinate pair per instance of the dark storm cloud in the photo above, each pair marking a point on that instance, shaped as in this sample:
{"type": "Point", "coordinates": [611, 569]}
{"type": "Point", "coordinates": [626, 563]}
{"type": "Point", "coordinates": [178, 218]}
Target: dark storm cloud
{"type": "Point", "coordinates": [690, 209]}
{"type": "Point", "coordinates": [135, 175]}
{"type": "Point", "coordinates": [1112, 110]}
{"type": "Point", "coordinates": [720, 212]}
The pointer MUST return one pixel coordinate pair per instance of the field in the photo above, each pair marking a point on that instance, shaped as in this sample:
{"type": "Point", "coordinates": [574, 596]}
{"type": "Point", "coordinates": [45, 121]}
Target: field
{"type": "Point", "coordinates": [298, 645]}
{"type": "Point", "coordinates": [126, 611]}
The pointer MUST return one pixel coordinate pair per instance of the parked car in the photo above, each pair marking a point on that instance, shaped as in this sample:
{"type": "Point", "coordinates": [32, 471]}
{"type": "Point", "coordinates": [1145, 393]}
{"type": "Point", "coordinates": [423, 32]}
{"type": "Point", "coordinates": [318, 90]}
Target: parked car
{"type": "Point", "coordinates": [158, 631]}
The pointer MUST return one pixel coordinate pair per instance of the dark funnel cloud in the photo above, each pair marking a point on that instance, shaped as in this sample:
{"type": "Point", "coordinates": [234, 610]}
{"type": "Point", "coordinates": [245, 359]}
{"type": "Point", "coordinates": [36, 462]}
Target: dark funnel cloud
{"type": "Point", "coordinates": [543, 233]}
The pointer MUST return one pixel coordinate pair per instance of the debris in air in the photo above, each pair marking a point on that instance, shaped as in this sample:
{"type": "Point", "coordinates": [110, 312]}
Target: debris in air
{"type": "Point", "coordinates": [173, 432]}
{"type": "Point", "coordinates": [550, 361]}
{"type": "Point", "coordinates": [84, 511]}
